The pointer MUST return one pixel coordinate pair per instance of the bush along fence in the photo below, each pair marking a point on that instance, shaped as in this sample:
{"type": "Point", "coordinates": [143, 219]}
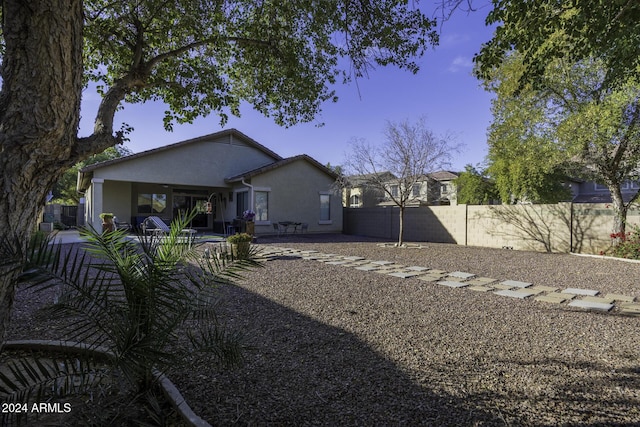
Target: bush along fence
{"type": "Point", "coordinates": [562, 227]}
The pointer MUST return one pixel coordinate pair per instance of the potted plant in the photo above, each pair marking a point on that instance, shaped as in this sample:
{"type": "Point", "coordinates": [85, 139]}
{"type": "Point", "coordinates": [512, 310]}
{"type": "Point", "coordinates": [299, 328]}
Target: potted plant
{"type": "Point", "coordinates": [249, 216]}
{"type": "Point", "coordinates": [240, 245]}
{"type": "Point", "coordinates": [107, 221]}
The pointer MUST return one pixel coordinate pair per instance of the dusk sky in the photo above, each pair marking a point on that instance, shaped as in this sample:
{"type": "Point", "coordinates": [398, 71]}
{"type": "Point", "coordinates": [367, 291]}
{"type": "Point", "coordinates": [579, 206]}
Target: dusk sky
{"type": "Point", "coordinates": [444, 91]}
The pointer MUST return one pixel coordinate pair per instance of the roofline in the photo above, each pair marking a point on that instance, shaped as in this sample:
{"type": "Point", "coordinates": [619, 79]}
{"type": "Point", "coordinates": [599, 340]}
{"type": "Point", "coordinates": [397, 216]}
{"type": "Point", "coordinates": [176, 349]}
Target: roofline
{"type": "Point", "coordinates": [84, 174]}
{"type": "Point", "coordinates": [229, 132]}
{"type": "Point", "coordinates": [278, 164]}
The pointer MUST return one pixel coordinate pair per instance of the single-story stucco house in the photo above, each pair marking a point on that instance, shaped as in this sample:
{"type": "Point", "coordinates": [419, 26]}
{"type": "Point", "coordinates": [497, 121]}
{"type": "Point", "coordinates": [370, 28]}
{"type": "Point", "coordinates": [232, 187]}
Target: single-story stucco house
{"type": "Point", "coordinates": [227, 169]}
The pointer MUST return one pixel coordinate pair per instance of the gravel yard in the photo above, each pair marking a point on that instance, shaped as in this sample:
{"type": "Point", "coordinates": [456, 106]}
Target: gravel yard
{"type": "Point", "coordinates": [332, 345]}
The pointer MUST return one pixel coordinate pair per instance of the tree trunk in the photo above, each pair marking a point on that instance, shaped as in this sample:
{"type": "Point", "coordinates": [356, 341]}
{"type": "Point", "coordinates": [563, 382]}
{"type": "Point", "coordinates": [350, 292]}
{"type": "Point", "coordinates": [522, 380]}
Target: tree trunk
{"type": "Point", "coordinates": [619, 212]}
{"type": "Point", "coordinates": [401, 232]}
{"type": "Point", "coordinates": [39, 118]}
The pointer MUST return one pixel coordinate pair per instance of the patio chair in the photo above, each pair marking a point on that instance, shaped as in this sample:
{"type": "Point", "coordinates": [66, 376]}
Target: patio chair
{"type": "Point", "coordinates": [276, 228]}
{"type": "Point", "coordinates": [161, 227]}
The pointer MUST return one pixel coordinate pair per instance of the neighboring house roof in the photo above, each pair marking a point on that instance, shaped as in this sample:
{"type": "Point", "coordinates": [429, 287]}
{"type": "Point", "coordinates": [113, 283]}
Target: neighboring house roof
{"type": "Point", "coordinates": [443, 175]}
{"type": "Point", "coordinates": [600, 198]}
{"type": "Point", "coordinates": [258, 171]}
{"type": "Point", "coordinates": [358, 180]}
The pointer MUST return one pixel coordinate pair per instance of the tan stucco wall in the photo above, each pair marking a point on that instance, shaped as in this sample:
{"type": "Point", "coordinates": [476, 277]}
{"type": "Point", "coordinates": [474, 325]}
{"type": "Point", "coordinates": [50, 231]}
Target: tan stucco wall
{"type": "Point", "coordinates": [117, 199]}
{"type": "Point", "coordinates": [295, 196]}
{"type": "Point", "coordinates": [198, 163]}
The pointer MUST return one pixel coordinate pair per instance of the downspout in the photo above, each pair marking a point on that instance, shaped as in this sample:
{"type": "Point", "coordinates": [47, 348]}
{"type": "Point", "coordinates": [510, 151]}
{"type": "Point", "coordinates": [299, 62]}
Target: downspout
{"type": "Point", "coordinates": [250, 193]}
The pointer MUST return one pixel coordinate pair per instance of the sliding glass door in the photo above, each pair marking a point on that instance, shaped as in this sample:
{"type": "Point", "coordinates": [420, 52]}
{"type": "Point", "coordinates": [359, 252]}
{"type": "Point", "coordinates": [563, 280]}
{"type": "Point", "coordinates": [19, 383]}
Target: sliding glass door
{"type": "Point", "coordinates": [185, 201]}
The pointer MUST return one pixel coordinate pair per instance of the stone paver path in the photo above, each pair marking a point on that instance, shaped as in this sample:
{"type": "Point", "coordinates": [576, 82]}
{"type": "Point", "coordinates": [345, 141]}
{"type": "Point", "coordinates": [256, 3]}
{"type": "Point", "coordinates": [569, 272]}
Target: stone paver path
{"type": "Point", "coordinates": [587, 299]}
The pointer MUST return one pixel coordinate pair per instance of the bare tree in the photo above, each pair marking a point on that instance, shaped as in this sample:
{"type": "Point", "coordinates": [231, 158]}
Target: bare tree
{"type": "Point", "coordinates": [410, 151]}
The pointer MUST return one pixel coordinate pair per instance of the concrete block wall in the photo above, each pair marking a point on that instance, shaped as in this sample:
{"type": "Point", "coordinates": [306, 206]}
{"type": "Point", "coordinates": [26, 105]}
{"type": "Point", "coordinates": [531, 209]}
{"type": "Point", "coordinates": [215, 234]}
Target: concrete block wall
{"type": "Point", "coordinates": [563, 227]}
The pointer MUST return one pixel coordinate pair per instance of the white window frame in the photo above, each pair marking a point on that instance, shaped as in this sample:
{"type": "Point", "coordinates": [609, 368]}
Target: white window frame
{"type": "Point", "coordinates": [262, 190]}
{"type": "Point", "coordinates": [324, 221]}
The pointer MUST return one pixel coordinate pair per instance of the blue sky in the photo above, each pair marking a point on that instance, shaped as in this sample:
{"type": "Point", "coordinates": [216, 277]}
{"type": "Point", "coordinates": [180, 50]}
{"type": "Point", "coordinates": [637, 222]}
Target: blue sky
{"type": "Point", "coordinates": [443, 90]}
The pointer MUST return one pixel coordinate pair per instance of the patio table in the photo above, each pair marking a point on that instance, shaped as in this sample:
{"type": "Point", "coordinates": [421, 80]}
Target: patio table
{"type": "Point", "coordinates": [286, 224]}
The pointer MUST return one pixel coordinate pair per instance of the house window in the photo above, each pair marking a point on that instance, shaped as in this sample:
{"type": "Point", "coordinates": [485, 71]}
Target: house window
{"type": "Point", "coordinates": [325, 207]}
{"type": "Point", "coordinates": [262, 205]}
{"type": "Point", "coordinates": [152, 203]}
{"type": "Point", "coordinates": [416, 190]}
{"type": "Point", "coordinates": [601, 187]}
{"type": "Point", "coordinates": [394, 190]}
{"type": "Point", "coordinates": [354, 201]}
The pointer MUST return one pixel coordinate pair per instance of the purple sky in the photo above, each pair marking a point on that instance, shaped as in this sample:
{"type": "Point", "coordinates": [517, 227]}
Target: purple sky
{"type": "Point", "coordinates": [444, 91]}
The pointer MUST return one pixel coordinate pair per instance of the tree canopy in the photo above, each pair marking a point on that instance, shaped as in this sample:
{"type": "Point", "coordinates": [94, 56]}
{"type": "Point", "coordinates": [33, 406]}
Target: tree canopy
{"type": "Point", "coordinates": [545, 30]}
{"type": "Point", "coordinates": [282, 57]}
{"type": "Point", "coordinates": [574, 123]}
{"type": "Point", "coordinates": [474, 188]}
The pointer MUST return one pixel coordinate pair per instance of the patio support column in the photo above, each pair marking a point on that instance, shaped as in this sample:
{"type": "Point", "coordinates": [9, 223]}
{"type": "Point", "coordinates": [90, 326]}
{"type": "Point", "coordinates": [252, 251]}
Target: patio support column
{"type": "Point", "coordinates": [96, 202]}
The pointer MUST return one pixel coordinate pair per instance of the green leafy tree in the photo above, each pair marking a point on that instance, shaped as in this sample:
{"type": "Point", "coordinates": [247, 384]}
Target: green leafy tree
{"type": "Point", "coordinates": [197, 56]}
{"type": "Point", "coordinates": [574, 122]}
{"type": "Point", "coordinates": [65, 192]}
{"type": "Point", "coordinates": [524, 158]}
{"type": "Point", "coordinates": [546, 30]}
{"type": "Point", "coordinates": [474, 188]}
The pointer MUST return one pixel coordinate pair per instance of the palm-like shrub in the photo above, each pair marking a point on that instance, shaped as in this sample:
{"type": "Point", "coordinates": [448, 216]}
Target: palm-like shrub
{"type": "Point", "coordinates": [133, 299]}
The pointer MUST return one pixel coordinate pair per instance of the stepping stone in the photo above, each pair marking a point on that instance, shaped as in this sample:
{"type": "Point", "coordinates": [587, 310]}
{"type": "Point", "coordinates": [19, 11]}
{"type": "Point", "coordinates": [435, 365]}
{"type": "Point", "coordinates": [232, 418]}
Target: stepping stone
{"type": "Point", "coordinates": [309, 252]}
{"type": "Point", "coordinates": [336, 262]}
{"type": "Point", "coordinates": [598, 306]}
{"type": "Point", "coordinates": [543, 288]}
{"type": "Point", "coordinates": [514, 294]}
{"type": "Point", "coordinates": [368, 267]}
{"type": "Point", "coordinates": [630, 309]}
{"type": "Point", "coordinates": [404, 275]}
{"type": "Point", "coordinates": [452, 284]}
{"type": "Point", "coordinates": [480, 288]}
{"type": "Point", "coordinates": [481, 281]}
{"type": "Point", "coordinates": [461, 275]}
{"type": "Point", "coordinates": [532, 290]}
{"type": "Point", "coordinates": [430, 277]}
{"type": "Point", "coordinates": [356, 263]}
{"type": "Point", "coordinates": [598, 299]}
{"type": "Point", "coordinates": [381, 262]}
{"type": "Point", "coordinates": [620, 298]}
{"type": "Point", "coordinates": [501, 286]}
{"type": "Point", "coordinates": [516, 284]}
{"type": "Point", "coordinates": [417, 268]}
{"type": "Point", "coordinates": [576, 291]}
{"type": "Point", "coordinates": [353, 258]}
{"type": "Point", "coordinates": [440, 272]}
{"type": "Point", "coordinates": [554, 298]}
